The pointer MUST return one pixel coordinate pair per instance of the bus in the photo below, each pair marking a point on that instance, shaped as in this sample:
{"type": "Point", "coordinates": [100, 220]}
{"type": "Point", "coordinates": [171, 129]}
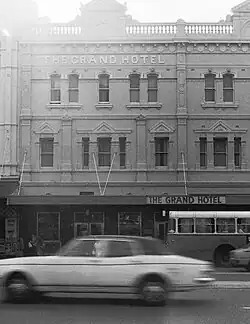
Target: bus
{"type": "Point", "coordinates": [207, 235]}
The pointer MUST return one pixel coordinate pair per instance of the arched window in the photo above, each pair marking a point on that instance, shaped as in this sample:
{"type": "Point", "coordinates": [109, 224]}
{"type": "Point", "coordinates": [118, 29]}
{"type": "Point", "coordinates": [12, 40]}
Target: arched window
{"type": "Point", "coordinates": [103, 88]}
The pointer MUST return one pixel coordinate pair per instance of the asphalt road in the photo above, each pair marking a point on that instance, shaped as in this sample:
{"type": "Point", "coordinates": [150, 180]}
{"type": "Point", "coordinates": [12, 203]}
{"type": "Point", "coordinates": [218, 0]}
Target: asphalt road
{"type": "Point", "coordinates": [214, 306]}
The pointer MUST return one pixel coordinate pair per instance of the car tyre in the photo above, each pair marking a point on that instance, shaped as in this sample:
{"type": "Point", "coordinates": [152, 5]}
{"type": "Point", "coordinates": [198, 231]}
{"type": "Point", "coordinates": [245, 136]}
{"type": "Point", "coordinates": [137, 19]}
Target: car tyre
{"type": "Point", "coordinates": [19, 290]}
{"type": "Point", "coordinates": [154, 292]}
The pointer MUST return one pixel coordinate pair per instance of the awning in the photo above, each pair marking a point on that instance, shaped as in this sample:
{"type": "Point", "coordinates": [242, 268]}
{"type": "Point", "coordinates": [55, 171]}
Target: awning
{"type": "Point", "coordinates": [76, 200]}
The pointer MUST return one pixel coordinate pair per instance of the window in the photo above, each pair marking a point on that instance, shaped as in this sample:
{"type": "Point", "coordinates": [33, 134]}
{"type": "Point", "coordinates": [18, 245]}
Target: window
{"type": "Point", "coordinates": [122, 147]}
{"type": "Point", "coordinates": [55, 92]}
{"type": "Point", "coordinates": [205, 225]}
{"type": "Point", "coordinates": [161, 151]}
{"type": "Point", "coordinates": [186, 225]}
{"type": "Point", "coordinates": [134, 88]}
{"type": "Point", "coordinates": [85, 152]}
{"type": "Point", "coordinates": [47, 152]}
{"type": "Point", "coordinates": [119, 249]}
{"type": "Point", "coordinates": [104, 151]}
{"type": "Point", "coordinates": [79, 248]}
{"type": "Point", "coordinates": [243, 225]}
{"type": "Point", "coordinates": [172, 225]}
{"type": "Point", "coordinates": [129, 223]}
{"type": "Point", "coordinates": [209, 87]}
{"type": "Point", "coordinates": [48, 226]}
{"type": "Point", "coordinates": [225, 225]}
{"type": "Point", "coordinates": [152, 88]}
{"type": "Point", "coordinates": [104, 88]}
{"type": "Point", "coordinates": [237, 152]}
{"type": "Point", "coordinates": [73, 88]}
{"type": "Point", "coordinates": [228, 87]}
{"type": "Point", "coordinates": [203, 152]}
{"type": "Point", "coordinates": [220, 152]}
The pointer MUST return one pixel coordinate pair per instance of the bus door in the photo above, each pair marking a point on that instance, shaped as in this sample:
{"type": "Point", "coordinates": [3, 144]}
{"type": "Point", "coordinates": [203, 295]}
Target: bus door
{"type": "Point", "coordinates": [161, 229]}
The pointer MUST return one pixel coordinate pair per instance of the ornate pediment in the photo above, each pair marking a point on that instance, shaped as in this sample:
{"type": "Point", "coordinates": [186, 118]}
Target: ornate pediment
{"type": "Point", "coordinates": [45, 128]}
{"type": "Point", "coordinates": [242, 7]}
{"type": "Point", "coordinates": [221, 127]}
{"type": "Point", "coordinates": [104, 128]}
{"type": "Point", "coordinates": [161, 128]}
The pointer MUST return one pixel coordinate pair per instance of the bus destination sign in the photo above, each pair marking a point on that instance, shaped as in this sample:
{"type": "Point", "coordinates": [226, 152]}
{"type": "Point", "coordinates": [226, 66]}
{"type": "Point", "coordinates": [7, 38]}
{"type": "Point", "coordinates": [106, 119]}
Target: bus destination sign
{"type": "Point", "coordinates": [186, 200]}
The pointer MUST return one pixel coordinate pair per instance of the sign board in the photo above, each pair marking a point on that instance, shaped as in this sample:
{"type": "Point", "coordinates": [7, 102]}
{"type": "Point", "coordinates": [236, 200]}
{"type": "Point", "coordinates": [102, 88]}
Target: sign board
{"type": "Point", "coordinates": [186, 200]}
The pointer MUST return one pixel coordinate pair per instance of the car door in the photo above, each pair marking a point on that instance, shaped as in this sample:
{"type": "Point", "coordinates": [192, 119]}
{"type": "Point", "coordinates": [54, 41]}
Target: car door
{"type": "Point", "coordinates": [119, 266]}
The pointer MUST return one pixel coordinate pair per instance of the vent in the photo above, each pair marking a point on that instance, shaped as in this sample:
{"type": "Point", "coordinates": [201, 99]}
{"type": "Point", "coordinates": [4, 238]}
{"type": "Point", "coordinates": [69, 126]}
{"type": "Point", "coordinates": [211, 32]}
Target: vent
{"type": "Point", "coordinates": [86, 193]}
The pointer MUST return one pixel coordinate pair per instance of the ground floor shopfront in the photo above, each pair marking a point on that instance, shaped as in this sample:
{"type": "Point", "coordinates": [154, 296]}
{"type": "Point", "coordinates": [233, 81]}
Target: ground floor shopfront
{"type": "Point", "coordinates": [57, 219]}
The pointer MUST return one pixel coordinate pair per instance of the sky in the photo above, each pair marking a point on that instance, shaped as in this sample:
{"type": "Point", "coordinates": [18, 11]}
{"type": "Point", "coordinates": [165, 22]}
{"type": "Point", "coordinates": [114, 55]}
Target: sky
{"type": "Point", "coordinates": [147, 10]}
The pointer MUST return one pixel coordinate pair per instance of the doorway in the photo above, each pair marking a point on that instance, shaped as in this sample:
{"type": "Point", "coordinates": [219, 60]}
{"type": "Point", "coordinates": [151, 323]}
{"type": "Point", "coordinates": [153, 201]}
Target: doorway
{"type": "Point", "coordinates": [161, 229]}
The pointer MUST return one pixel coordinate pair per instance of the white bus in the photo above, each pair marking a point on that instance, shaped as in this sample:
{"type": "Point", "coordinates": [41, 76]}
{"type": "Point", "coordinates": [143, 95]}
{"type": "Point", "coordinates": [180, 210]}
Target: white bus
{"type": "Point", "coordinates": [208, 235]}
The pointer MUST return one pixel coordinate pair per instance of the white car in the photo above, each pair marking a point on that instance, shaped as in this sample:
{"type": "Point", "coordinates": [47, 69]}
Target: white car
{"type": "Point", "coordinates": [105, 266]}
{"type": "Point", "coordinates": [240, 258]}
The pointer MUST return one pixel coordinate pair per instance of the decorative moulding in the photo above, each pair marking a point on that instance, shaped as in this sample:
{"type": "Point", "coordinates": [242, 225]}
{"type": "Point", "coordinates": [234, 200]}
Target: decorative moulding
{"type": "Point", "coordinates": [104, 128]}
{"type": "Point", "coordinates": [104, 105]}
{"type": "Point", "coordinates": [161, 128]}
{"type": "Point", "coordinates": [45, 128]}
{"type": "Point", "coordinates": [64, 106]}
{"type": "Point", "coordinates": [221, 127]}
{"type": "Point", "coordinates": [140, 105]}
{"type": "Point", "coordinates": [221, 105]}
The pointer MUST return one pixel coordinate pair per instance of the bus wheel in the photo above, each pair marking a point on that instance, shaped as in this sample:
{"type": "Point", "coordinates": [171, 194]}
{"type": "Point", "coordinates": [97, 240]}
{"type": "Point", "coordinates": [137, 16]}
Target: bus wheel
{"type": "Point", "coordinates": [221, 255]}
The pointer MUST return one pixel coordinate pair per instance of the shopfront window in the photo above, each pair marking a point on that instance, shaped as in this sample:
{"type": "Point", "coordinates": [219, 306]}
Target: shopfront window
{"type": "Point", "coordinates": [172, 225]}
{"type": "Point", "coordinates": [129, 223]}
{"type": "Point", "coordinates": [225, 225]}
{"type": "Point", "coordinates": [186, 225]}
{"type": "Point", "coordinates": [88, 223]}
{"type": "Point", "coordinates": [48, 226]}
{"type": "Point", "coordinates": [243, 225]}
{"type": "Point", "coordinates": [205, 225]}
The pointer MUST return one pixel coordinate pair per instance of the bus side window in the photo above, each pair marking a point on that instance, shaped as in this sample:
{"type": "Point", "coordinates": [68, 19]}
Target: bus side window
{"type": "Point", "coordinates": [243, 225]}
{"type": "Point", "coordinates": [186, 225]}
{"type": "Point", "coordinates": [205, 225]}
{"type": "Point", "coordinates": [225, 225]}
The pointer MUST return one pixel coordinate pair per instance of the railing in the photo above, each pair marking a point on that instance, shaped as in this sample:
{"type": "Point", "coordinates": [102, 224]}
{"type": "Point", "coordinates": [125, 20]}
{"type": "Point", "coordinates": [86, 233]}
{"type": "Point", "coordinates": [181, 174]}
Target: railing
{"type": "Point", "coordinates": [158, 30]}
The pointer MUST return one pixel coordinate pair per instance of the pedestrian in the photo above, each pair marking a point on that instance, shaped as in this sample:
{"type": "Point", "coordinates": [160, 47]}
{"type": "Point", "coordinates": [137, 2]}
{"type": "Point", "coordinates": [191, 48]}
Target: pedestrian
{"type": "Point", "coordinates": [36, 245]}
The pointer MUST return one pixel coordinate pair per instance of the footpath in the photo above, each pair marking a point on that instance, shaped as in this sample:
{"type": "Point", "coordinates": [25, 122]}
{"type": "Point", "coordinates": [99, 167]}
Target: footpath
{"type": "Point", "coordinates": [232, 278]}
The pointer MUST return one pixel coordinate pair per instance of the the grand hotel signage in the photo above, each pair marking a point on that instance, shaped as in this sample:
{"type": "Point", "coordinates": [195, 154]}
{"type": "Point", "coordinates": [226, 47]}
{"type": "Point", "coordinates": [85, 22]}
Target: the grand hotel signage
{"type": "Point", "coordinates": [104, 59]}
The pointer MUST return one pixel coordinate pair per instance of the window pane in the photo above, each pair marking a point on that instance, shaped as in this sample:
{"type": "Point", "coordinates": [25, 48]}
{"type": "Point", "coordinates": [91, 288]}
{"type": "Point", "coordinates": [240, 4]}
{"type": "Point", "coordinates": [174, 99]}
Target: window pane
{"type": "Point", "coordinates": [130, 223]}
{"type": "Point", "coordinates": [122, 145]}
{"type": "Point", "coordinates": [73, 95]}
{"type": "Point", "coordinates": [104, 151]}
{"type": "Point", "coordinates": [85, 150]}
{"type": "Point", "coordinates": [104, 144]}
{"type": "Point", "coordinates": [209, 95]}
{"type": "Point", "coordinates": [134, 81]}
{"type": "Point", "coordinates": [152, 95]}
{"type": "Point", "coordinates": [237, 151]}
{"type": "Point", "coordinates": [228, 81]}
{"type": "Point", "coordinates": [203, 151]}
{"type": "Point", "coordinates": [81, 248]}
{"type": "Point", "coordinates": [73, 81]}
{"type": "Point", "coordinates": [220, 145]}
{"type": "Point", "coordinates": [210, 81]}
{"type": "Point", "coordinates": [225, 225]}
{"type": "Point", "coordinates": [47, 145]}
{"type": "Point", "coordinates": [134, 95]}
{"type": "Point", "coordinates": [47, 160]}
{"type": "Point", "coordinates": [119, 249]}
{"type": "Point", "coordinates": [228, 95]}
{"type": "Point", "coordinates": [205, 225]}
{"type": "Point", "coordinates": [243, 225]}
{"type": "Point", "coordinates": [220, 159]}
{"type": "Point", "coordinates": [152, 82]}
{"type": "Point", "coordinates": [104, 81]}
{"type": "Point", "coordinates": [161, 151]}
{"type": "Point", "coordinates": [56, 95]}
{"type": "Point", "coordinates": [186, 225]}
{"type": "Point", "coordinates": [104, 96]}
{"type": "Point", "coordinates": [55, 81]}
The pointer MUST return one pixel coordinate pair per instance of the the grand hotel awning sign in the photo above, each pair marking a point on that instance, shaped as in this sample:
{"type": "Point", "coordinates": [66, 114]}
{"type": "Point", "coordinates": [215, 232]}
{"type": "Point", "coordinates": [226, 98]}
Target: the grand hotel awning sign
{"type": "Point", "coordinates": [104, 59]}
{"type": "Point", "coordinates": [186, 200]}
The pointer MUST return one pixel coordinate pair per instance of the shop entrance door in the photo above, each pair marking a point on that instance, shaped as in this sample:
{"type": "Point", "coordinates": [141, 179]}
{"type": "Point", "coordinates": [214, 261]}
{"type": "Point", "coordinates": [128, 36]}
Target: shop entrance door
{"type": "Point", "coordinates": [161, 229]}
{"type": "Point", "coordinates": [85, 229]}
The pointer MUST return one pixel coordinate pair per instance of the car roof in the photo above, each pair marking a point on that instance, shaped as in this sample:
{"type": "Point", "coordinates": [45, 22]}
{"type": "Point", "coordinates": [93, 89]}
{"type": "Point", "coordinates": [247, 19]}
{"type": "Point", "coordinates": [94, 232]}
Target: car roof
{"type": "Point", "coordinates": [117, 237]}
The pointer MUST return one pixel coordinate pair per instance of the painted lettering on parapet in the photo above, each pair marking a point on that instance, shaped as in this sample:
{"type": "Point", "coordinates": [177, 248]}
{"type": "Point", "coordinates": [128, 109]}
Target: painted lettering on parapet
{"type": "Point", "coordinates": [104, 59]}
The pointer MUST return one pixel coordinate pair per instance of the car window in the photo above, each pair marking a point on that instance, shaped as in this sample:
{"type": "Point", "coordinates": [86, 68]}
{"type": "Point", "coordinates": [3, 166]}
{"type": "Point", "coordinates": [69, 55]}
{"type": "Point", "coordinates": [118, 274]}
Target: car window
{"type": "Point", "coordinates": [119, 249]}
{"type": "Point", "coordinates": [79, 248]}
{"type": "Point", "coordinates": [100, 248]}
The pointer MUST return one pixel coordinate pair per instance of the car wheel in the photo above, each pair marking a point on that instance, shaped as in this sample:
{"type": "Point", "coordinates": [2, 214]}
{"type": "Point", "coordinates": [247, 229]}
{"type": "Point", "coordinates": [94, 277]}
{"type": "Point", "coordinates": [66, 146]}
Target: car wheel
{"type": "Point", "coordinates": [154, 293]}
{"type": "Point", "coordinates": [18, 289]}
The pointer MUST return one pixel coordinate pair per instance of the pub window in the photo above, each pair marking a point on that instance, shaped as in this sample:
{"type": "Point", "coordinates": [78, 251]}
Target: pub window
{"type": "Point", "coordinates": [205, 225]}
{"type": "Point", "coordinates": [237, 152]}
{"type": "Point", "coordinates": [104, 151]}
{"type": "Point", "coordinates": [73, 88]}
{"type": "Point", "coordinates": [134, 87]}
{"type": "Point", "coordinates": [228, 91]}
{"type": "Point", "coordinates": [122, 152]}
{"type": "Point", "coordinates": [103, 88]}
{"type": "Point", "coordinates": [88, 223]}
{"type": "Point", "coordinates": [203, 152]}
{"type": "Point", "coordinates": [161, 151]}
{"type": "Point", "coordinates": [55, 89]}
{"type": "Point", "coordinates": [209, 87]}
{"type": "Point", "coordinates": [243, 225]}
{"type": "Point", "coordinates": [129, 223]}
{"type": "Point", "coordinates": [85, 152]}
{"type": "Point", "coordinates": [185, 225]}
{"type": "Point", "coordinates": [48, 226]}
{"type": "Point", "coordinates": [172, 225]}
{"type": "Point", "coordinates": [220, 151]}
{"type": "Point", "coordinates": [225, 225]}
{"type": "Point", "coordinates": [47, 152]}
{"type": "Point", "coordinates": [152, 88]}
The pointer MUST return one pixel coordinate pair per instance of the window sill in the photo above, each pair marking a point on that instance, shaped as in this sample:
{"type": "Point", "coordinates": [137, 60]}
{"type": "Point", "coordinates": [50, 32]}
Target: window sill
{"type": "Point", "coordinates": [64, 106]}
{"type": "Point", "coordinates": [148, 105]}
{"type": "Point", "coordinates": [104, 105]}
{"type": "Point", "coordinates": [220, 105]}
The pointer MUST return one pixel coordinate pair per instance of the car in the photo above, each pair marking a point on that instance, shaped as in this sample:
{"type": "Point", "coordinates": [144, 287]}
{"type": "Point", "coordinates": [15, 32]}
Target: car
{"type": "Point", "coordinates": [105, 266]}
{"type": "Point", "coordinates": [240, 258]}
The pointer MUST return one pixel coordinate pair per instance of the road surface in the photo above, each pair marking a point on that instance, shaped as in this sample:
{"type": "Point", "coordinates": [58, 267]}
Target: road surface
{"type": "Point", "coordinates": [214, 306]}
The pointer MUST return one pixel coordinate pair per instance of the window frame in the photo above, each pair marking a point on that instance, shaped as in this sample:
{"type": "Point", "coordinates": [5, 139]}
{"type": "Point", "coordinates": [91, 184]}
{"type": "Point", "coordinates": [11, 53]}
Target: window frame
{"type": "Point", "coordinates": [122, 153]}
{"type": "Point", "coordinates": [226, 89]}
{"type": "Point", "coordinates": [102, 89]}
{"type": "Point", "coordinates": [220, 153]}
{"type": "Point", "coordinates": [208, 89]}
{"type": "Point", "coordinates": [152, 89]}
{"type": "Point", "coordinates": [104, 153]}
{"type": "Point", "coordinates": [134, 89]}
{"type": "Point", "coordinates": [237, 153]}
{"type": "Point", "coordinates": [54, 88]}
{"type": "Point", "coordinates": [203, 140]}
{"type": "Point", "coordinates": [164, 154]}
{"type": "Point", "coordinates": [47, 153]}
{"type": "Point", "coordinates": [85, 154]}
{"type": "Point", "coordinates": [73, 89]}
